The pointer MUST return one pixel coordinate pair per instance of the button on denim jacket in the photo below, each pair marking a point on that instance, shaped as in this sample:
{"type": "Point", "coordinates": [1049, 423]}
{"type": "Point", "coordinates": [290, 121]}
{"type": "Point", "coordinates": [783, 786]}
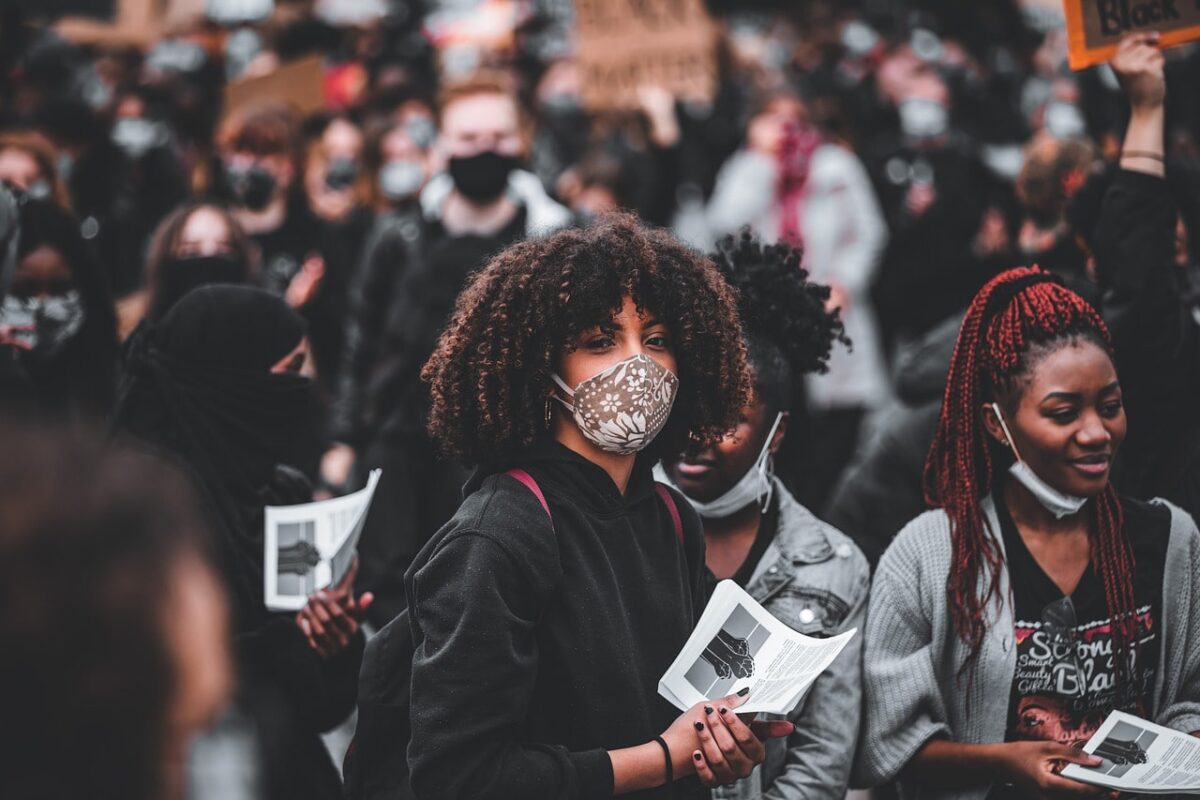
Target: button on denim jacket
{"type": "Point", "coordinates": [814, 579]}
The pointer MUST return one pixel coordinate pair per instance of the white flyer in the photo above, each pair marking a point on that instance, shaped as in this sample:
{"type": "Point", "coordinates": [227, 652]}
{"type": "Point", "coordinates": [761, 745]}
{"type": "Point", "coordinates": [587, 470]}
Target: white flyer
{"type": "Point", "coordinates": [310, 546]}
{"type": "Point", "coordinates": [1140, 757]}
{"type": "Point", "coordinates": [736, 644]}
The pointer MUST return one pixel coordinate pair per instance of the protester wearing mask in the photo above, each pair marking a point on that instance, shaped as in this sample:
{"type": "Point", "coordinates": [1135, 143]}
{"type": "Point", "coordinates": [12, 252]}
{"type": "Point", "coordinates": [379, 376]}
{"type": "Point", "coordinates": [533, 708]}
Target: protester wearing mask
{"type": "Point", "coordinates": [193, 246]}
{"type": "Point", "coordinates": [218, 386]}
{"type": "Point", "coordinates": [257, 148]}
{"type": "Point", "coordinates": [793, 183]}
{"type": "Point", "coordinates": [115, 627]}
{"type": "Point", "coordinates": [628, 346]}
{"type": "Point", "coordinates": [336, 187]}
{"type": "Point", "coordinates": [807, 574]}
{"type": "Point", "coordinates": [398, 154]}
{"type": "Point", "coordinates": [27, 162]}
{"type": "Point", "coordinates": [1030, 548]}
{"type": "Point", "coordinates": [403, 298]}
{"type": "Point", "coordinates": [57, 318]}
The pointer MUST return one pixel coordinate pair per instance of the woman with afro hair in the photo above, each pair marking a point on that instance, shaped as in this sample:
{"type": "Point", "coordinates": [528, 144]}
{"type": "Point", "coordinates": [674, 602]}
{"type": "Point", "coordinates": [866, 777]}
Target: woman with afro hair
{"type": "Point", "coordinates": [806, 573]}
{"type": "Point", "coordinates": [1006, 625]}
{"type": "Point", "coordinates": [544, 613]}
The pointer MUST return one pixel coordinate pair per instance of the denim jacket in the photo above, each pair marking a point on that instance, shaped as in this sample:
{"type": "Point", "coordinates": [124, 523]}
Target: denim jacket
{"type": "Point", "coordinates": [813, 578]}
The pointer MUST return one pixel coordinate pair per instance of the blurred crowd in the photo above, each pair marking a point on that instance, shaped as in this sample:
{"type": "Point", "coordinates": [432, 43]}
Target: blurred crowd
{"type": "Point", "coordinates": [912, 149]}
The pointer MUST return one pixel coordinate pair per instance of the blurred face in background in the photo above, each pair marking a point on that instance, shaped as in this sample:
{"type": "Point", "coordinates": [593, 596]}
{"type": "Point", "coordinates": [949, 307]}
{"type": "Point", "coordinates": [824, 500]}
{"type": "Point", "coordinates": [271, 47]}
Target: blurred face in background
{"type": "Point", "coordinates": [20, 169]}
{"type": "Point", "coordinates": [482, 143]}
{"type": "Point", "coordinates": [403, 165]}
{"type": "Point", "coordinates": [334, 169]}
{"type": "Point", "coordinates": [481, 122]}
{"type": "Point", "coordinates": [204, 234]}
{"type": "Point", "coordinates": [768, 128]}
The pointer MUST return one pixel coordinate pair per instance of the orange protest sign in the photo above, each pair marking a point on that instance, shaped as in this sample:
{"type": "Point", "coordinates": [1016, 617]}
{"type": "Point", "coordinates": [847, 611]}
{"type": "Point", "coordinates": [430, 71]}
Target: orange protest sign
{"type": "Point", "coordinates": [624, 44]}
{"type": "Point", "coordinates": [1094, 27]}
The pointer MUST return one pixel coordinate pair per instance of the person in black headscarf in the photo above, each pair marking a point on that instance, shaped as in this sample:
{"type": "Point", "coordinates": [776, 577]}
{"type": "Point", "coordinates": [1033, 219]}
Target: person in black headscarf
{"type": "Point", "coordinates": [56, 317]}
{"type": "Point", "coordinates": [218, 384]}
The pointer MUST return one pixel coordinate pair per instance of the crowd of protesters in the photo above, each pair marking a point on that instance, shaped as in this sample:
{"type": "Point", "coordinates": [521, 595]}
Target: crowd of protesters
{"type": "Point", "coordinates": [899, 331]}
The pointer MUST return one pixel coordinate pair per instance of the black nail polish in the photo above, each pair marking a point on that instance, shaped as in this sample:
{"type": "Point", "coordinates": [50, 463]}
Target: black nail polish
{"type": "Point", "coordinates": [708, 709]}
{"type": "Point", "coordinates": [697, 756]}
{"type": "Point", "coordinates": [745, 690]}
{"type": "Point", "coordinates": [699, 726]}
{"type": "Point", "coordinates": [724, 710]}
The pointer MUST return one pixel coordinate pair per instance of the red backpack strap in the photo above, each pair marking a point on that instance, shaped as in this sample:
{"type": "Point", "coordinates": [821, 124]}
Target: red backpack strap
{"type": "Point", "coordinates": [669, 501]}
{"type": "Point", "coordinates": [530, 484]}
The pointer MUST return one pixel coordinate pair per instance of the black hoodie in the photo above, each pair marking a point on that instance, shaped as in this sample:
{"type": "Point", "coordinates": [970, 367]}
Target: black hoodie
{"type": "Point", "coordinates": [539, 648]}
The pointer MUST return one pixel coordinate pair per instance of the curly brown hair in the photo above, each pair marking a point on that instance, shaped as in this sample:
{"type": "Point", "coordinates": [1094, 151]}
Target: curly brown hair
{"type": "Point", "coordinates": [490, 375]}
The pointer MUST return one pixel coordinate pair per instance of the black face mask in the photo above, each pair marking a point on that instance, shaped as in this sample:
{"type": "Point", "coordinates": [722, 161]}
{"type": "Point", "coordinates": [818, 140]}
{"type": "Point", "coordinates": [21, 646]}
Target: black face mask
{"type": "Point", "coordinates": [252, 187]}
{"type": "Point", "coordinates": [341, 174]}
{"type": "Point", "coordinates": [482, 177]}
{"type": "Point", "coordinates": [178, 276]}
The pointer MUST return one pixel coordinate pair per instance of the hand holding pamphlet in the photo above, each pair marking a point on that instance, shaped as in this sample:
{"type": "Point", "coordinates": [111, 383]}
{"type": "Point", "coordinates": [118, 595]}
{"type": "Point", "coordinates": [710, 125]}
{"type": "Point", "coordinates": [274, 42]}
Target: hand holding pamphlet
{"type": "Point", "coordinates": [1140, 757]}
{"type": "Point", "coordinates": [310, 546]}
{"type": "Point", "coordinates": [738, 644]}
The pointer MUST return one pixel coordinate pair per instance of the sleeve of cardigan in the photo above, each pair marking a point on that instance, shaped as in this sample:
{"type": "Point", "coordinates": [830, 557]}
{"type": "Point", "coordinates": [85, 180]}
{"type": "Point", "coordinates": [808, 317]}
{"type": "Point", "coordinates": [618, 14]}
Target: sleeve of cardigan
{"type": "Point", "coordinates": [473, 675]}
{"type": "Point", "coordinates": [903, 706]}
{"type": "Point", "coordinates": [1183, 653]}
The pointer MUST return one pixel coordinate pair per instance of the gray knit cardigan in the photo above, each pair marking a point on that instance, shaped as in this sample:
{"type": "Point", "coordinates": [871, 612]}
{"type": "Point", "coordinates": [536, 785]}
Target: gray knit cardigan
{"type": "Point", "coordinates": [912, 655]}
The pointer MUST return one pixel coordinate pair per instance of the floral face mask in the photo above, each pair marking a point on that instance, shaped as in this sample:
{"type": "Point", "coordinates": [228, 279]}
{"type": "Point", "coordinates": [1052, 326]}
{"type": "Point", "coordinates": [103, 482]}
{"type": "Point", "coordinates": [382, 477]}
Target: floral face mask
{"type": "Point", "coordinates": [623, 408]}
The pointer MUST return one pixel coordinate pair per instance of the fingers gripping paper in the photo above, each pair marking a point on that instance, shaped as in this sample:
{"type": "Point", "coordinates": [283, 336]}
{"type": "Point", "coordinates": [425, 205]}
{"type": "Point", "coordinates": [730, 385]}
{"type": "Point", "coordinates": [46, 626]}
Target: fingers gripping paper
{"type": "Point", "coordinates": [1094, 27]}
{"type": "Point", "coordinates": [309, 547]}
{"type": "Point", "coordinates": [738, 644]}
{"type": "Point", "coordinates": [1140, 757]}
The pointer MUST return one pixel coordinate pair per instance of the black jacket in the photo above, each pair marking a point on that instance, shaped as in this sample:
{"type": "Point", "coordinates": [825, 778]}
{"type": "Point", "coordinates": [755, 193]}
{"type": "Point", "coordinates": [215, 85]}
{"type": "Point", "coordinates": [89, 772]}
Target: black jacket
{"type": "Point", "coordinates": [880, 491]}
{"type": "Point", "coordinates": [539, 648]}
{"type": "Point", "coordinates": [401, 299]}
{"type": "Point", "coordinates": [1156, 335]}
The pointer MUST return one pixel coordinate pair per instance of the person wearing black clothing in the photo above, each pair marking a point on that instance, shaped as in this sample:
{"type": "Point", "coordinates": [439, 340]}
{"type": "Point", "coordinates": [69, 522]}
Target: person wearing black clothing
{"type": "Point", "coordinates": [1143, 269]}
{"type": "Point", "coordinates": [541, 632]}
{"type": "Point", "coordinates": [57, 319]}
{"type": "Point", "coordinates": [881, 488]}
{"type": "Point", "coordinates": [401, 299]}
{"type": "Point", "coordinates": [215, 386]}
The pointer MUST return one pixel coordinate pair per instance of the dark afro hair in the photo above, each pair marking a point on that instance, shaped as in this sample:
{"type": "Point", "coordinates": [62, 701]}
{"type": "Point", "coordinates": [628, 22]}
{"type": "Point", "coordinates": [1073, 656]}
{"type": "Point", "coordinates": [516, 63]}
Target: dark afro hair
{"type": "Point", "coordinates": [789, 332]}
{"type": "Point", "coordinates": [490, 375]}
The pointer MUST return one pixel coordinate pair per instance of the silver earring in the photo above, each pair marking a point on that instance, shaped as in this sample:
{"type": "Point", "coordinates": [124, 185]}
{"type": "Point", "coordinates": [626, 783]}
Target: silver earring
{"type": "Point", "coordinates": [549, 413]}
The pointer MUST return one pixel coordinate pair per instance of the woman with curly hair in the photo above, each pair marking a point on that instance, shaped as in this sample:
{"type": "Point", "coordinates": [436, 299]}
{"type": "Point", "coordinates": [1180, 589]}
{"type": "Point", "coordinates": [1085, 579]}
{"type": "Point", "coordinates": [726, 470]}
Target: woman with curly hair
{"type": "Point", "coordinates": [544, 613]}
{"type": "Point", "coordinates": [1006, 625]}
{"type": "Point", "coordinates": [805, 572]}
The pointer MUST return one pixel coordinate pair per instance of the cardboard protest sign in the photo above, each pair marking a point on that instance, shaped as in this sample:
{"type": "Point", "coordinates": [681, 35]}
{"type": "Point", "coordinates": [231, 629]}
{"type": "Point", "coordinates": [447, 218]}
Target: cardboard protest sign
{"type": "Point", "coordinates": [1094, 27]}
{"type": "Point", "coordinates": [298, 83]}
{"type": "Point", "coordinates": [134, 23]}
{"type": "Point", "coordinates": [624, 44]}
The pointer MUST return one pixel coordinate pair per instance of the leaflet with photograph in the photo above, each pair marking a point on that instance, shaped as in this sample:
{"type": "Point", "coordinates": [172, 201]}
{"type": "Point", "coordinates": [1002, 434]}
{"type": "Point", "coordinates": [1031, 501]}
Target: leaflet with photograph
{"type": "Point", "coordinates": [1141, 757]}
{"type": "Point", "coordinates": [736, 644]}
{"type": "Point", "coordinates": [309, 547]}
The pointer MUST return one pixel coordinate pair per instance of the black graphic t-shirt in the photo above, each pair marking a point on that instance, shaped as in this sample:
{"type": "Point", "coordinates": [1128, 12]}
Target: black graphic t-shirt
{"type": "Point", "coordinates": [1064, 696]}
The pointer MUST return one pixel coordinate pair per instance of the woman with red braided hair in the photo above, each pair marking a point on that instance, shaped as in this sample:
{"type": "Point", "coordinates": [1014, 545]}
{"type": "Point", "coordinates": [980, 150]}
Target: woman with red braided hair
{"type": "Point", "coordinates": [1005, 625]}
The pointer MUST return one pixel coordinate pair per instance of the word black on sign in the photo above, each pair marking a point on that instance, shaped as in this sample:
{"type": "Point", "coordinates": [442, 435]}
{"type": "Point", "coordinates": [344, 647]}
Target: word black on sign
{"type": "Point", "coordinates": [1095, 26]}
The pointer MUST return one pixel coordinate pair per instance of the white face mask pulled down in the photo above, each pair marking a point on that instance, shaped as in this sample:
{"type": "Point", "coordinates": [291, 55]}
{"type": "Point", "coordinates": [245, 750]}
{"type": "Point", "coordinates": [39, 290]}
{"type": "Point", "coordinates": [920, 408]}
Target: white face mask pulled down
{"type": "Point", "coordinates": [757, 484]}
{"type": "Point", "coordinates": [1057, 503]}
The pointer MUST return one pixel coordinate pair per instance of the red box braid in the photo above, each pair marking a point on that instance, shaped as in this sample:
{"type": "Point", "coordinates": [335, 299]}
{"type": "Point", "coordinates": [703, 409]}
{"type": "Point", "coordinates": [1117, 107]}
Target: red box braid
{"type": "Point", "coordinates": [1016, 310]}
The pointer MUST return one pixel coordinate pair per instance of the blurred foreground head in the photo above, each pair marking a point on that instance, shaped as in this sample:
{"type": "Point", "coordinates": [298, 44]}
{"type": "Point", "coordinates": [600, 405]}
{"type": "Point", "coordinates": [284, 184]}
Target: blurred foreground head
{"type": "Point", "coordinates": [113, 626]}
